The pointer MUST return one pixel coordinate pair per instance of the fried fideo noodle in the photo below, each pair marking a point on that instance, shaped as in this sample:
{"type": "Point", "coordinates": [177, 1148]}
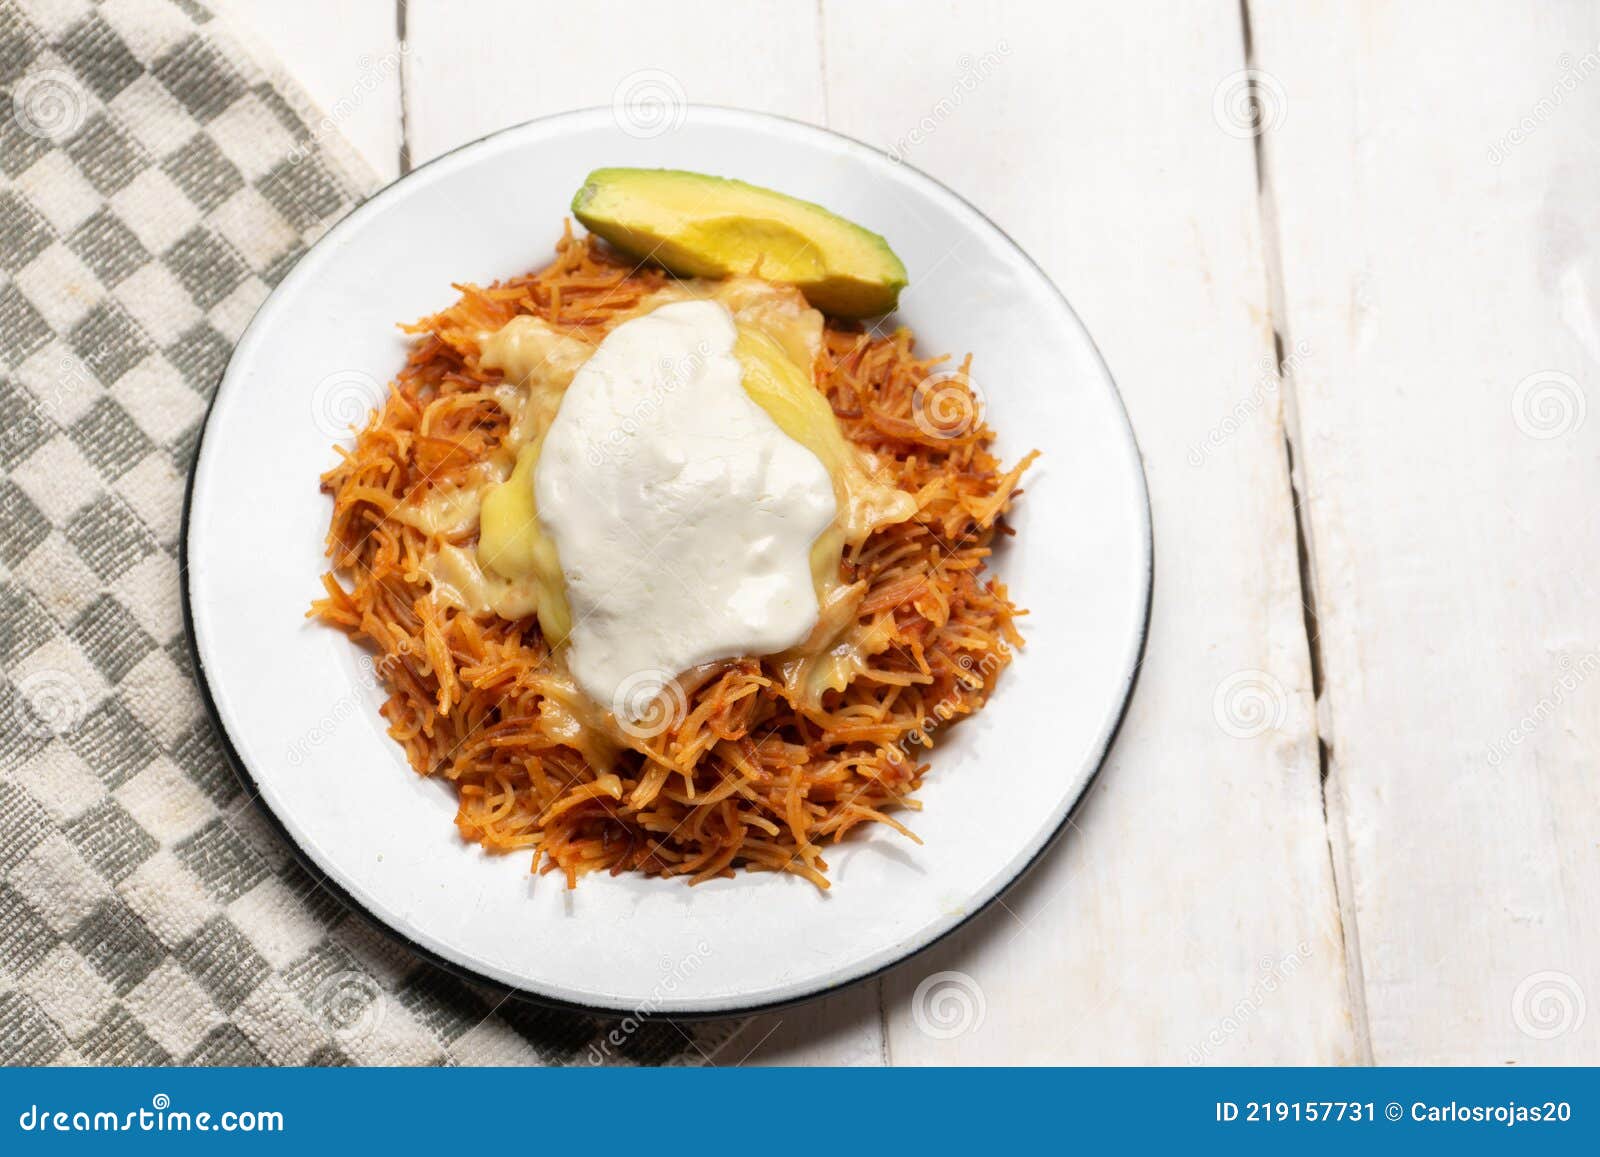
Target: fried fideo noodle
{"type": "Point", "coordinates": [756, 774]}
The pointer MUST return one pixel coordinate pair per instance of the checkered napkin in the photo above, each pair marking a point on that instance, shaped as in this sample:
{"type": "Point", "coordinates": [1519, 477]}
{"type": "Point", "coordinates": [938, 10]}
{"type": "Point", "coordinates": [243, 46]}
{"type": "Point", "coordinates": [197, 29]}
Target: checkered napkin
{"type": "Point", "coordinates": [155, 182]}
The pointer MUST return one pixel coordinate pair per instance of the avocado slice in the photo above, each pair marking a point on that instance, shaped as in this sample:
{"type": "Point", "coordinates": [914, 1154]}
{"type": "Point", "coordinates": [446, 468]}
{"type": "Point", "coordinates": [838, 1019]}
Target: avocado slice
{"type": "Point", "coordinates": [702, 226]}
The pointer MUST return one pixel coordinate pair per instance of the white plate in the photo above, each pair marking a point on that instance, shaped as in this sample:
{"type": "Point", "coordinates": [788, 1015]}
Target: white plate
{"type": "Point", "coordinates": [301, 711]}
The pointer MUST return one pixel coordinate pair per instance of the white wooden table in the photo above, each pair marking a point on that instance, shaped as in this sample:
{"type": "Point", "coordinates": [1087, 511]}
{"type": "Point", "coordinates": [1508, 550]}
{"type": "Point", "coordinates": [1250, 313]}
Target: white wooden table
{"type": "Point", "coordinates": [1354, 813]}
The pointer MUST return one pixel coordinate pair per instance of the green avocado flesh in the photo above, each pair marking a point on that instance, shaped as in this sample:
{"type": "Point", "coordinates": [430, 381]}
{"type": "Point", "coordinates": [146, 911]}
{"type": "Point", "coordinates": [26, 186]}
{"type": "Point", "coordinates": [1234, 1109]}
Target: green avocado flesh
{"type": "Point", "coordinates": [701, 226]}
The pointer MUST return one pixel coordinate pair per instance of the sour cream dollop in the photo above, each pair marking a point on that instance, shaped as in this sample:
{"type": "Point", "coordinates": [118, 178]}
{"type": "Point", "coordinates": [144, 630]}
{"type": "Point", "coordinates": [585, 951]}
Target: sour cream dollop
{"type": "Point", "coordinates": [683, 516]}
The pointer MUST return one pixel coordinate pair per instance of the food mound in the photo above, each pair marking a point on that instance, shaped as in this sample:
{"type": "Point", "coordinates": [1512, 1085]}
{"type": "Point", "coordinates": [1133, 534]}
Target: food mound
{"type": "Point", "coordinates": [754, 762]}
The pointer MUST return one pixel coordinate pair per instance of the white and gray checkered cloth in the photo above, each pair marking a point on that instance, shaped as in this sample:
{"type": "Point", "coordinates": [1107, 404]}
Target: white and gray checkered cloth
{"type": "Point", "coordinates": [156, 181]}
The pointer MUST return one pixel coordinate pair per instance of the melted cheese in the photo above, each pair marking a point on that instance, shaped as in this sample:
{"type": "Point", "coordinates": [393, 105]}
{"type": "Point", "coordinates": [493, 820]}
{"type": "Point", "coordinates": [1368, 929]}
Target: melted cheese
{"type": "Point", "coordinates": [460, 580]}
{"type": "Point", "coordinates": [514, 545]}
{"type": "Point", "coordinates": [447, 511]}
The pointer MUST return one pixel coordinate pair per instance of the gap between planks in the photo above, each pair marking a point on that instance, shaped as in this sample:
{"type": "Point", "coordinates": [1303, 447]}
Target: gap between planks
{"type": "Point", "coordinates": [1333, 818]}
{"type": "Point", "coordinates": [405, 86]}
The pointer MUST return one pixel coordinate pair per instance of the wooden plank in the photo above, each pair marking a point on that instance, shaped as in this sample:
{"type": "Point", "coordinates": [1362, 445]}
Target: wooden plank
{"type": "Point", "coordinates": [1191, 912]}
{"type": "Point", "coordinates": [346, 56]}
{"type": "Point", "coordinates": [504, 61]}
{"type": "Point", "coordinates": [1433, 177]}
